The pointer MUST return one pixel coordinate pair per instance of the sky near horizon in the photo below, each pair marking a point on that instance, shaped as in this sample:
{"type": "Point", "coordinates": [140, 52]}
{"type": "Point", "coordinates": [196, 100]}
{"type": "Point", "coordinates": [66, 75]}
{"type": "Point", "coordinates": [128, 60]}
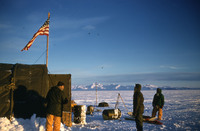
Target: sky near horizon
{"type": "Point", "coordinates": [107, 41]}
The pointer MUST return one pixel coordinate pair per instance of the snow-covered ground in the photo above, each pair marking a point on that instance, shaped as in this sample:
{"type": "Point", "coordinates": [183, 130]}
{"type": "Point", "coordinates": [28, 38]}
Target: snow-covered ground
{"type": "Point", "coordinates": [181, 112]}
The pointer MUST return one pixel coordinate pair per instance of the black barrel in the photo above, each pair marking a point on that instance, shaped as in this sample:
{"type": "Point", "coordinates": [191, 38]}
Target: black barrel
{"type": "Point", "coordinates": [111, 114]}
{"type": "Point", "coordinates": [79, 114]}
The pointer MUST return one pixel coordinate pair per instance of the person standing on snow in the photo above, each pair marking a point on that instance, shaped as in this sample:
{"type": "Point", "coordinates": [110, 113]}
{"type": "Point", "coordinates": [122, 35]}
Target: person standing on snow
{"type": "Point", "coordinates": [158, 103]}
{"type": "Point", "coordinates": [55, 100]}
{"type": "Point", "coordinates": [138, 107]}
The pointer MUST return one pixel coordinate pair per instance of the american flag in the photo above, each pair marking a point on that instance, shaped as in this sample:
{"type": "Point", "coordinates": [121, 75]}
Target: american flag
{"type": "Point", "coordinates": [44, 30]}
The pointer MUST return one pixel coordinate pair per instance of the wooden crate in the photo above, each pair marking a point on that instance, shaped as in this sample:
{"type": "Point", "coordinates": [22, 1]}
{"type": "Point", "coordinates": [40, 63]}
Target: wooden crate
{"type": "Point", "coordinates": [67, 118]}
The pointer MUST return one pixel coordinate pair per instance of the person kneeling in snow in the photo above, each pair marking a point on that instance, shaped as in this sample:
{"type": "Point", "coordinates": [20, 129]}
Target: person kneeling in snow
{"type": "Point", "coordinates": [158, 103]}
{"type": "Point", "coordinates": [55, 100]}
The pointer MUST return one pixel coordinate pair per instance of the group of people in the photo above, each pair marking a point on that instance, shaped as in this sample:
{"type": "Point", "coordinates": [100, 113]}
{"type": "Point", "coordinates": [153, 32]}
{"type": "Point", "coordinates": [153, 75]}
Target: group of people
{"type": "Point", "coordinates": [56, 98]}
{"type": "Point", "coordinates": [138, 106]}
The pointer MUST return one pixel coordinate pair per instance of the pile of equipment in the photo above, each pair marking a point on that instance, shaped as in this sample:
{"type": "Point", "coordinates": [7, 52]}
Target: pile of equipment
{"type": "Point", "coordinates": [103, 104]}
{"type": "Point", "coordinates": [90, 110]}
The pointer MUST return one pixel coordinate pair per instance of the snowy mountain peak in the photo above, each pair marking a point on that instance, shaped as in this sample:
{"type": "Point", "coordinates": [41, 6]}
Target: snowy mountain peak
{"type": "Point", "coordinates": [117, 86]}
{"type": "Point", "coordinates": [125, 87]}
{"type": "Point", "coordinates": [150, 86]}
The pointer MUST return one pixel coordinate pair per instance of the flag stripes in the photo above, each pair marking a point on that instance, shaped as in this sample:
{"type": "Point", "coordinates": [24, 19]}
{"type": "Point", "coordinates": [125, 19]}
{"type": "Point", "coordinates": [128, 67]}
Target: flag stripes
{"type": "Point", "coordinates": [44, 30]}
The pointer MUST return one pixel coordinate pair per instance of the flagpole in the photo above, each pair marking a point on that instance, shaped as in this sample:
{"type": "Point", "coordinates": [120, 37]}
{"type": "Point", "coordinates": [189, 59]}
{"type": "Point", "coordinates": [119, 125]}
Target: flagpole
{"type": "Point", "coordinates": [47, 44]}
{"type": "Point", "coordinates": [47, 51]}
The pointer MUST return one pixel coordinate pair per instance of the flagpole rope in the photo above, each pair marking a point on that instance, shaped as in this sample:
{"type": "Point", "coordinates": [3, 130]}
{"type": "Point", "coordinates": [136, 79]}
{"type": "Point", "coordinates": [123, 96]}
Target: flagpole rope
{"type": "Point", "coordinates": [40, 56]}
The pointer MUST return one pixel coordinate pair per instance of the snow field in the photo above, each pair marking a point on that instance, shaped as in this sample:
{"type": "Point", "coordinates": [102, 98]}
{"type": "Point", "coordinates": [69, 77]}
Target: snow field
{"type": "Point", "coordinates": [181, 112]}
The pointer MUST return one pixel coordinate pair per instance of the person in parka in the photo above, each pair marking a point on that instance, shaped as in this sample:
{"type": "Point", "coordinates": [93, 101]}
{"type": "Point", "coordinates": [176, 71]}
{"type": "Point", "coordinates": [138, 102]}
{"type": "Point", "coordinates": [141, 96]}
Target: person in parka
{"type": "Point", "coordinates": [158, 103]}
{"type": "Point", "coordinates": [138, 107]}
{"type": "Point", "coordinates": [55, 100]}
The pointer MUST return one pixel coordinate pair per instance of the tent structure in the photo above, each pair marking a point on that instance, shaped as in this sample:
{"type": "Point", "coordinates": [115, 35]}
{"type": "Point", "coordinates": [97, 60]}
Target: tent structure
{"type": "Point", "coordinates": [6, 105]}
{"type": "Point", "coordinates": [23, 89]}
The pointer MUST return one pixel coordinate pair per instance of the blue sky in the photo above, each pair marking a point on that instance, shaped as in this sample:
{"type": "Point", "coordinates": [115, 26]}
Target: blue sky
{"type": "Point", "coordinates": [107, 41]}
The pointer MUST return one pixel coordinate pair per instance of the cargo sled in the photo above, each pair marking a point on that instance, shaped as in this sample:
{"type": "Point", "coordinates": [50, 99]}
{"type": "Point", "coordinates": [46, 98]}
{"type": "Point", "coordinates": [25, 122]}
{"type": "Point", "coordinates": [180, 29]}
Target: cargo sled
{"type": "Point", "coordinates": [147, 119]}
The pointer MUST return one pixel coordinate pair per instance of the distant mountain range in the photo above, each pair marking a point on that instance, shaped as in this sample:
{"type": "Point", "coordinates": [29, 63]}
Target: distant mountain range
{"type": "Point", "coordinates": [126, 87]}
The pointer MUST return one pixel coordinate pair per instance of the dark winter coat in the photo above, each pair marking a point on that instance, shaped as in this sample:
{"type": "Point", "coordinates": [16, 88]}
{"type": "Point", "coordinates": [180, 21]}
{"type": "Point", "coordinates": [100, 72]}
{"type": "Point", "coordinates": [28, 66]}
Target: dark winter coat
{"type": "Point", "coordinates": [158, 99]}
{"type": "Point", "coordinates": [138, 99]}
{"type": "Point", "coordinates": [55, 100]}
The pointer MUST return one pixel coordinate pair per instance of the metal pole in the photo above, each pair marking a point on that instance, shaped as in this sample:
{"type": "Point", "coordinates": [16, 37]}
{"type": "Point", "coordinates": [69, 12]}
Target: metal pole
{"type": "Point", "coordinates": [123, 103]}
{"type": "Point", "coordinates": [96, 93]}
